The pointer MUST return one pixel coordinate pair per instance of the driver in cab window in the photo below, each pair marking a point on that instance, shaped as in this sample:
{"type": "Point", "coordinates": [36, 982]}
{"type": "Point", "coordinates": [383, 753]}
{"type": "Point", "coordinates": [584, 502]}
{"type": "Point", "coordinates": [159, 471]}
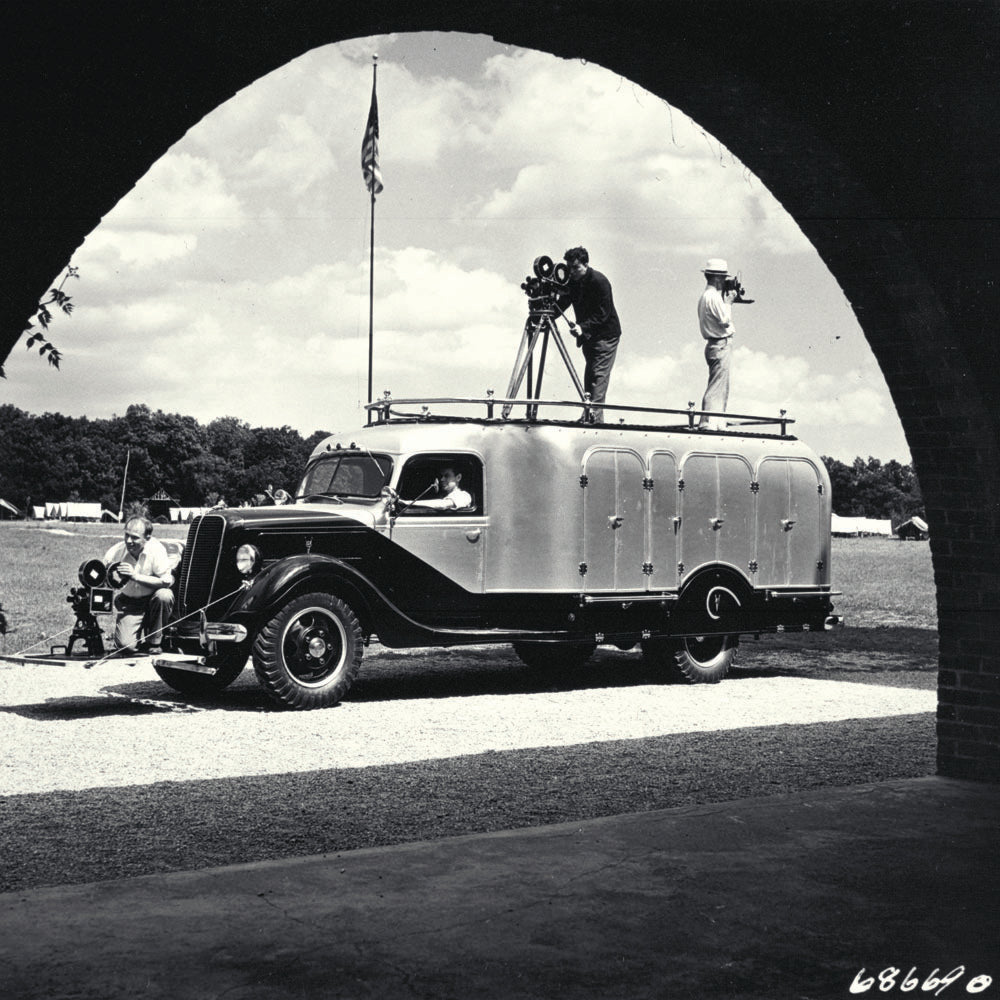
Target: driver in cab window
{"type": "Point", "coordinates": [447, 490]}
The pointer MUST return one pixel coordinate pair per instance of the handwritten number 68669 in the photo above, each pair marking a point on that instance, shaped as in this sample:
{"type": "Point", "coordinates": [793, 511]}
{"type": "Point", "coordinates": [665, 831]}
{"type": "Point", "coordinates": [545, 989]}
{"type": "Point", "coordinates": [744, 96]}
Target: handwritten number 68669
{"type": "Point", "coordinates": [889, 979]}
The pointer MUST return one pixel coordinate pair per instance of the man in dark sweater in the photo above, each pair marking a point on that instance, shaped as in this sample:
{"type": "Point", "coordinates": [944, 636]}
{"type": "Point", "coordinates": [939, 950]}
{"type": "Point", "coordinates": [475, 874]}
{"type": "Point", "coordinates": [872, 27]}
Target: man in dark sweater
{"type": "Point", "coordinates": [597, 328]}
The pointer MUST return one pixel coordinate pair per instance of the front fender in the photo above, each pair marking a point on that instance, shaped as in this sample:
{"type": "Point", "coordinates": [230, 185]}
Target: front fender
{"type": "Point", "coordinates": [302, 573]}
{"type": "Point", "coordinates": [273, 586]}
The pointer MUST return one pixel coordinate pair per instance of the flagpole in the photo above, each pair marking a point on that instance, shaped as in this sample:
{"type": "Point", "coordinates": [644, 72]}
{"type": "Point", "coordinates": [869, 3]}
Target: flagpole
{"type": "Point", "coordinates": [371, 258]}
{"type": "Point", "coordinates": [121, 506]}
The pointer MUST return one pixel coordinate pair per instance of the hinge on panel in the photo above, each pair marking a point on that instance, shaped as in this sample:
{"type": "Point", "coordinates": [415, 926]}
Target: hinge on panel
{"type": "Point", "coordinates": [819, 488]}
{"type": "Point", "coordinates": [680, 485]}
{"type": "Point", "coordinates": [647, 483]}
{"type": "Point", "coordinates": [755, 487]}
{"type": "Point", "coordinates": [680, 569]}
{"type": "Point", "coordinates": [752, 566]}
{"type": "Point", "coordinates": [647, 568]}
{"type": "Point", "coordinates": [583, 569]}
{"type": "Point", "coordinates": [583, 481]}
{"type": "Point", "coordinates": [820, 564]}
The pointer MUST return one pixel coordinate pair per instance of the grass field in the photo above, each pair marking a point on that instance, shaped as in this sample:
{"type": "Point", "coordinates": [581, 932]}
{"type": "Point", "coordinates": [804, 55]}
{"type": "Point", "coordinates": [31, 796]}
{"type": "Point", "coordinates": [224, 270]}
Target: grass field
{"type": "Point", "coordinates": [885, 584]}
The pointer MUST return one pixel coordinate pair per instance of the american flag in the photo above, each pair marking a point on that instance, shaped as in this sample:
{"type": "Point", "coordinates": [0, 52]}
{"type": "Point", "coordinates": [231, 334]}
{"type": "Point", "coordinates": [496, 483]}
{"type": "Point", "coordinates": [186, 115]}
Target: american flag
{"type": "Point", "coordinates": [369, 149]}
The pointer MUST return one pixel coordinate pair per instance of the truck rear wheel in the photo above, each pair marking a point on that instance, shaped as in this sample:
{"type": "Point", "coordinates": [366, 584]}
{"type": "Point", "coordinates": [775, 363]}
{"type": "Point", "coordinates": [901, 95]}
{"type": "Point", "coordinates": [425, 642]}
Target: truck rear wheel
{"type": "Point", "coordinates": [554, 655]}
{"type": "Point", "coordinates": [705, 659]}
{"type": "Point", "coordinates": [696, 659]}
{"type": "Point", "coordinates": [229, 662]}
{"type": "Point", "coordinates": [309, 653]}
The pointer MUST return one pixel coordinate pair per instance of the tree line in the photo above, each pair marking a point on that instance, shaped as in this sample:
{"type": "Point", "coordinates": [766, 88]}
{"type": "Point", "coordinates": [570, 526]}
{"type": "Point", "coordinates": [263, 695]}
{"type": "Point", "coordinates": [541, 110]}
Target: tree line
{"type": "Point", "coordinates": [56, 458]}
{"type": "Point", "coordinates": [873, 489]}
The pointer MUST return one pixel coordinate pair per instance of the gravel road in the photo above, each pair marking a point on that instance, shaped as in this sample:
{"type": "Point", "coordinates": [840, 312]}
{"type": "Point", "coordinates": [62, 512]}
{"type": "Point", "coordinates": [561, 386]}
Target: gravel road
{"type": "Point", "coordinates": [106, 773]}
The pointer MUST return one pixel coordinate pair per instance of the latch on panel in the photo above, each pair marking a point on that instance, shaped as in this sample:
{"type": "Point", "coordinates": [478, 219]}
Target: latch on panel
{"type": "Point", "coordinates": [716, 522]}
{"type": "Point", "coordinates": [787, 524]}
{"type": "Point", "coordinates": [614, 521]}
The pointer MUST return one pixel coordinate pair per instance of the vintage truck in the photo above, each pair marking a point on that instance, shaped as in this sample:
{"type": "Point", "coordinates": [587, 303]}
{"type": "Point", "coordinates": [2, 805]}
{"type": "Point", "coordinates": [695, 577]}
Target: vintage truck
{"type": "Point", "coordinates": [573, 535]}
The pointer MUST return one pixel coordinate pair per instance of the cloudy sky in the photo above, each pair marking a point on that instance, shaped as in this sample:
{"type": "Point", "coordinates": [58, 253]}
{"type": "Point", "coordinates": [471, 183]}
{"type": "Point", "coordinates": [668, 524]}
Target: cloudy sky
{"type": "Point", "coordinates": [233, 279]}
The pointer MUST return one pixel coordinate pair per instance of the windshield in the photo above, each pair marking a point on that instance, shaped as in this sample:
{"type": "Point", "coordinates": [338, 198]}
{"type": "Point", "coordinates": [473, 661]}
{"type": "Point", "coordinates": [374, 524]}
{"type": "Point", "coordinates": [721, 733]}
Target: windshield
{"type": "Point", "coordinates": [346, 474]}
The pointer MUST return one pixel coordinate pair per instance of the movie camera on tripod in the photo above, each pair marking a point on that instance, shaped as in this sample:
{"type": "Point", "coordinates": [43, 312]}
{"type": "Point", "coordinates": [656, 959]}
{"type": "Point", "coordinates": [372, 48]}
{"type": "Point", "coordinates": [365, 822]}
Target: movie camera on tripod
{"type": "Point", "coordinates": [546, 284]}
{"type": "Point", "coordinates": [543, 288]}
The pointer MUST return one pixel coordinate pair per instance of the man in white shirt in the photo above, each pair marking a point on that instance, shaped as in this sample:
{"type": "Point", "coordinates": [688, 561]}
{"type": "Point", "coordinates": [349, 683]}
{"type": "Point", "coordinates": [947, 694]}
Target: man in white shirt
{"type": "Point", "coordinates": [145, 601]}
{"type": "Point", "coordinates": [452, 497]}
{"type": "Point", "coordinates": [716, 323]}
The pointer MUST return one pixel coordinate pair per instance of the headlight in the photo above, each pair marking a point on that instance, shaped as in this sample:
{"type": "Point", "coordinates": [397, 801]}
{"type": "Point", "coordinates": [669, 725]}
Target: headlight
{"type": "Point", "coordinates": [248, 559]}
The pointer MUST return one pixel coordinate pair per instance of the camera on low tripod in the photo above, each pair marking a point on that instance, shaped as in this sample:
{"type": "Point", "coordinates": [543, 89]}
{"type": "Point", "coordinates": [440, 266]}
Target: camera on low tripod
{"type": "Point", "coordinates": [91, 598]}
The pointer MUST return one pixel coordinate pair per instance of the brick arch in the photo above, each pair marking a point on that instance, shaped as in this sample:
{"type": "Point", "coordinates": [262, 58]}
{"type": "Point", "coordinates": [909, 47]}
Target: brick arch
{"type": "Point", "coordinates": [870, 121]}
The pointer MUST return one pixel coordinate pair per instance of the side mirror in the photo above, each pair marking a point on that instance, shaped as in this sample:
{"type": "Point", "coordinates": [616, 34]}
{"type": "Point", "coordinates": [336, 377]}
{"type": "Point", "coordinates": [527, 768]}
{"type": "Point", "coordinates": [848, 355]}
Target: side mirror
{"type": "Point", "coordinates": [389, 497]}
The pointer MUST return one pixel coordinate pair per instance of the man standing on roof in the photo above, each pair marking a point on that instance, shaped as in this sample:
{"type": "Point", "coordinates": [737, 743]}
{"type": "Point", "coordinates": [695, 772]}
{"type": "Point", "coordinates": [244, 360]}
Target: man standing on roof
{"type": "Point", "coordinates": [716, 322]}
{"type": "Point", "coordinates": [597, 328]}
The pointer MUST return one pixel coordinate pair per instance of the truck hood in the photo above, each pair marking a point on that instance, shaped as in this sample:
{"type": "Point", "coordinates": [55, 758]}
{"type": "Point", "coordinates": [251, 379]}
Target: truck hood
{"type": "Point", "coordinates": [303, 515]}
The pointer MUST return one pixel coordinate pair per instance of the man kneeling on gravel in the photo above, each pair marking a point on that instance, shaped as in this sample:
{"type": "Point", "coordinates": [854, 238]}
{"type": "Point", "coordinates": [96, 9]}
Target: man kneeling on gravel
{"type": "Point", "coordinates": [145, 601]}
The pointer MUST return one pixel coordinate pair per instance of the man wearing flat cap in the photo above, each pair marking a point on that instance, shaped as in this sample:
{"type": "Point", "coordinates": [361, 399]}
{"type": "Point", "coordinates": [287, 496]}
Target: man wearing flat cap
{"type": "Point", "coordinates": [597, 328]}
{"type": "Point", "coordinates": [716, 322]}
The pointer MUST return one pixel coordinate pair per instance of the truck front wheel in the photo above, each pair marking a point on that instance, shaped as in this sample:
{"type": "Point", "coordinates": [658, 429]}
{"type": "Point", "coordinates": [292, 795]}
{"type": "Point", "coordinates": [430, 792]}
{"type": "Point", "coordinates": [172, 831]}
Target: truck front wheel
{"type": "Point", "coordinates": [309, 653]}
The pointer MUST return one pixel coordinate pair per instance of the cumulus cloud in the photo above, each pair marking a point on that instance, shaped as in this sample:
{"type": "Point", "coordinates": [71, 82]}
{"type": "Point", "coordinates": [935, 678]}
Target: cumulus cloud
{"type": "Point", "coordinates": [179, 193]}
{"type": "Point", "coordinates": [296, 155]}
{"type": "Point", "coordinates": [107, 247]}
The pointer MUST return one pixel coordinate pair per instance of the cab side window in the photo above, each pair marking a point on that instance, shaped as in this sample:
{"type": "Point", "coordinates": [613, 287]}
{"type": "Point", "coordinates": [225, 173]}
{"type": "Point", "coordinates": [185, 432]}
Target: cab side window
{"type": "Point", "coordinates": [441, 485]}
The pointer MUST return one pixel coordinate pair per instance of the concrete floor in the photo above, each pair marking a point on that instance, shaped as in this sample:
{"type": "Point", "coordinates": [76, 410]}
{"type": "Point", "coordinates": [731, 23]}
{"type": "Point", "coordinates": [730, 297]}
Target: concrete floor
{"type": "Point", "coordinates": [784, 898]}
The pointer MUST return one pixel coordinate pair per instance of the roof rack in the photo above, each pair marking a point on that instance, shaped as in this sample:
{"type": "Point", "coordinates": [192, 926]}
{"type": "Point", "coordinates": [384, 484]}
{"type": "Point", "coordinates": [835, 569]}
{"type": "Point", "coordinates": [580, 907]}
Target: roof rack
{"type": "Point", "coordinates": [387, 409]}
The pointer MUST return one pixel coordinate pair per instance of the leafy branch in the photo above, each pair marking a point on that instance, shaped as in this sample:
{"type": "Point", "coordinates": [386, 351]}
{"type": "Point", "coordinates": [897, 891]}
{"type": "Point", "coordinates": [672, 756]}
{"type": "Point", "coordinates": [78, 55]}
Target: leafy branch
{"type": "Point", "coordinates": [57, 299]}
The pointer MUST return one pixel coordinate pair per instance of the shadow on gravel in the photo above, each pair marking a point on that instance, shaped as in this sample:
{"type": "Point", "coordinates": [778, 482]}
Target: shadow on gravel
{"type": "Point", "coordinates": [74, 708]}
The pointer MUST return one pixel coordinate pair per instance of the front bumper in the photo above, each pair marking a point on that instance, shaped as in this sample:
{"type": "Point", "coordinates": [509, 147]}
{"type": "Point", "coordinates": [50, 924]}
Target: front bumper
{"type": "Point", "coordinates": [183, 661]}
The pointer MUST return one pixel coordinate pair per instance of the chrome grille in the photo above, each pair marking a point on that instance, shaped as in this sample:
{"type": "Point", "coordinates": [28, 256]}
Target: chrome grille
{"type": "Point", "coordinates": [200, 563]}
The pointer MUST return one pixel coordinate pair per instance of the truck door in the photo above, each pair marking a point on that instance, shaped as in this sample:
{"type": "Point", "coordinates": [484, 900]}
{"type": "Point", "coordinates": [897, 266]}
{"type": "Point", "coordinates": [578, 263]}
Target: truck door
{"type": "Point", "coordinates": [453, 542]}
{"type": "Point", "coordinates": [664, 522]}
{"type": "Point", "coordinates": [716, 512]}
{"type": "Point", "coordinates": [613, 520]}
{"type": "Point", "coordinates": [789, 531]}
